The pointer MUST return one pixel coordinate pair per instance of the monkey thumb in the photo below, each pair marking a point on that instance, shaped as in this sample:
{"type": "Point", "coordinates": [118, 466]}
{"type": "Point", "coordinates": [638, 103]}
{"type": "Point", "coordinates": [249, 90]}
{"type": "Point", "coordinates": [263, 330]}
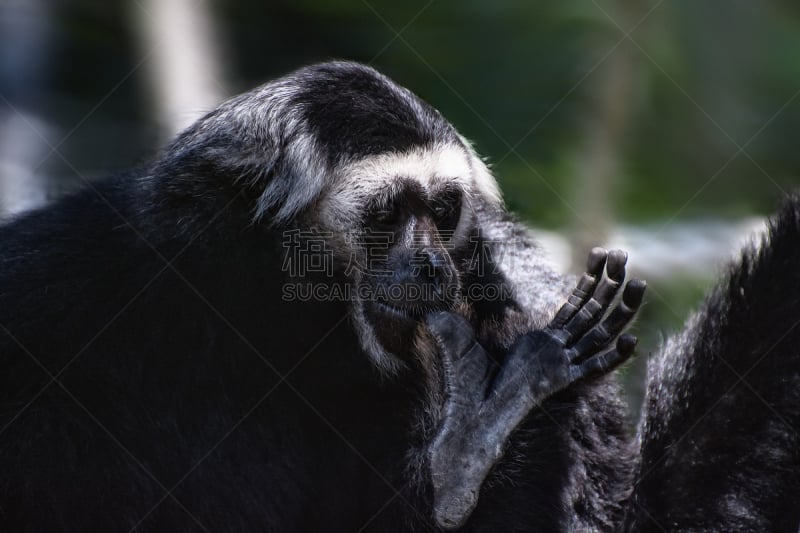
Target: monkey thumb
{"type": "Point", "coordinates": [453, 334]}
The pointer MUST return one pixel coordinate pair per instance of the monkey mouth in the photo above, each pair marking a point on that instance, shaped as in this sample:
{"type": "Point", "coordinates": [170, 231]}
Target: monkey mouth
{"type": "Point", "coordinates": [395, 312]}
{"type": "Point", "coordinates": [409, 313]}
{"type": "Point", "coordinates": [413, 313]}
{"type": "Point", "coordinates": [393, 325]}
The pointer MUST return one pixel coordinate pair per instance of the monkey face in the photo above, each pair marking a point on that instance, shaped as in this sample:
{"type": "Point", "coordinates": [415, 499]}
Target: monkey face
{"type": "Point", "coordinates": [409, 237]}
{"type": "Point", "coordinates": [407, 216]}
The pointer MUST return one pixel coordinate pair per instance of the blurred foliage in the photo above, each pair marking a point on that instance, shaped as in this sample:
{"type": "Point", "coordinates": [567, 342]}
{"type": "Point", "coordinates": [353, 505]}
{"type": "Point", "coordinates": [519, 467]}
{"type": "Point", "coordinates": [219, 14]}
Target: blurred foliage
{"type": "Point", "coordinates": [705, 79]}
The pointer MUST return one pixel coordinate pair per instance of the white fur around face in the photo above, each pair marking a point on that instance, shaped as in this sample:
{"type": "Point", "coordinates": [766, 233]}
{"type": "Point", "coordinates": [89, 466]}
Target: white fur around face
{"type": "Point", "coordinates": [358, 182]}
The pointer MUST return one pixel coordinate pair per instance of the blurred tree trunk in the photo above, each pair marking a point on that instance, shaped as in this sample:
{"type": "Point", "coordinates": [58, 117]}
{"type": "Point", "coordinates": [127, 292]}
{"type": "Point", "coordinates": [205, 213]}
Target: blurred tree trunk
{"type": "Point", "coordinates": [598, 158]}
{"type": "Point", "coordinates": [184, 63]}
{"type": "Point", "coordinates": [25, 38]}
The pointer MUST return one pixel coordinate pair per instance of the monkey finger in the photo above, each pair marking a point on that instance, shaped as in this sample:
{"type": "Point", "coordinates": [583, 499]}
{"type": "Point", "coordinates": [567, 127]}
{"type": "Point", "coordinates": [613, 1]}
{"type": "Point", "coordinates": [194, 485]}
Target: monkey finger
{"type": "Point", "coordinates": [606, 362]}
{"type": "Point", "coordinates": [452, 333]}
{"type": "Point", "coordinates": [615, 266]}
{"type": "Point", "coordinates": [584, 290]}
{"type": "Point", "coordinates": [615, 274]}
{"type": "Point", "coordinates": [605, 292]}
{"type": "Point", "coordinates": [612, 326]}
{"type": "Point", "coordinates": [465, 360]}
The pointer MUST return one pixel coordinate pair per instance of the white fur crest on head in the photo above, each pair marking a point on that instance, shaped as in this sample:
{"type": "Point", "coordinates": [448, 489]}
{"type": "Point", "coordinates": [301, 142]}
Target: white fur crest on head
{"type": "Point", "coordinates": [359, 181]}
{"type": "Point", "coordinates": [282, 152]}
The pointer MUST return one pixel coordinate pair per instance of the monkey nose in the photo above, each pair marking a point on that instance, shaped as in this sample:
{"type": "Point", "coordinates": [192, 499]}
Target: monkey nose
{"type": "Point", "coordinates": [432, 267]}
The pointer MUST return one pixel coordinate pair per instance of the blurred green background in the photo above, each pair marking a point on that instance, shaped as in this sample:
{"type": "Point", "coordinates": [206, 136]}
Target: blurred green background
{"type": "Point", "coordinates": [661, 126]}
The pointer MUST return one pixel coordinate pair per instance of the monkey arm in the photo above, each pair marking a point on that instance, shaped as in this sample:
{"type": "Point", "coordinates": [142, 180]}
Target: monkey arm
{"type": "Point", "coordinates": [482, 410]}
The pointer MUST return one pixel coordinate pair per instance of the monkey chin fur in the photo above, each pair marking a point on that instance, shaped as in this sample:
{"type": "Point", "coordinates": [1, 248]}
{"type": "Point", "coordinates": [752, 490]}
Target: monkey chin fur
{"type": "Point", "coordinates": [393, 327]}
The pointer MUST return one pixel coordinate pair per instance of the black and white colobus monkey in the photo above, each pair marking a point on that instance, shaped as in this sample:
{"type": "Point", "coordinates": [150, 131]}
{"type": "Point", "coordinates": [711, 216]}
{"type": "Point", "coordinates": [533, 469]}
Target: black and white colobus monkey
{"type": "Point", "coordinates": [155, 377]}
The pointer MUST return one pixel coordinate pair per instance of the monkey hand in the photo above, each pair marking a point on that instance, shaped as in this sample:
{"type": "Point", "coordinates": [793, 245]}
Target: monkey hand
{"type": "Point", "coordinates": [482, 409]}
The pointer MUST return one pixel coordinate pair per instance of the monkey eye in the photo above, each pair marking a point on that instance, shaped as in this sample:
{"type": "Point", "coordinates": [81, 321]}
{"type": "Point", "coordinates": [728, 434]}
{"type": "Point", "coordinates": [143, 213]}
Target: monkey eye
{"type": "Point", "coordinates": [441, 210]}
{"type": "Point", "coordinates": [446, 211]}
{"type": "Point", "coordinates": [384, 218]}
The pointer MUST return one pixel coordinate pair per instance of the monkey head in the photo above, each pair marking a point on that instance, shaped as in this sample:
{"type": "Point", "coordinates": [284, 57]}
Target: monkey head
{"type": "Point", "coordinates": [342, 149]}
